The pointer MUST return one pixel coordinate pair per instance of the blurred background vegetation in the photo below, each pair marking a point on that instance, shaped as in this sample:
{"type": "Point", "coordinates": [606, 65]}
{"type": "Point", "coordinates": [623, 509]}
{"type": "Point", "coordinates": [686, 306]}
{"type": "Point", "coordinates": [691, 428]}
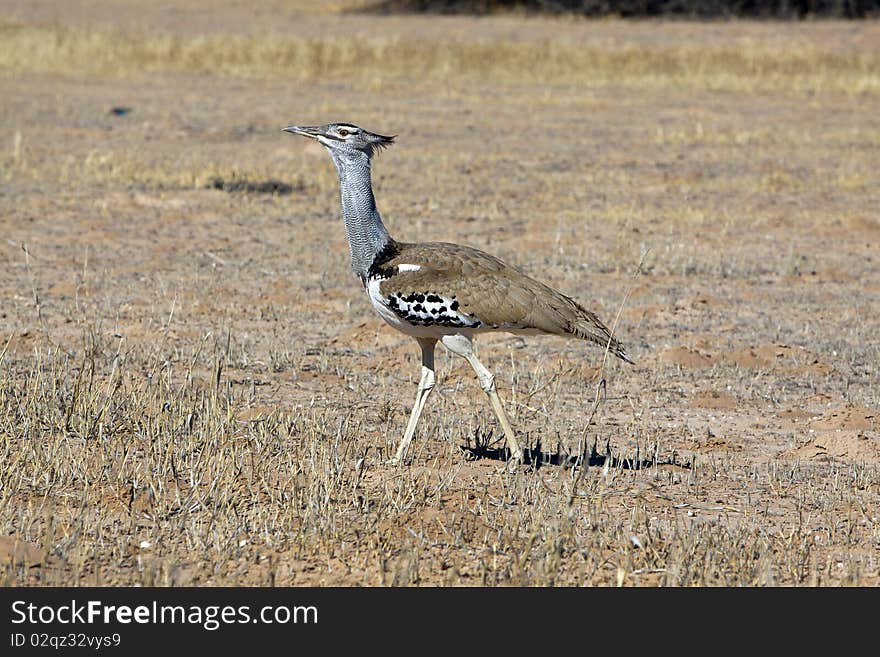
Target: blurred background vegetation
{"type": "Point", "coordinates": [643, 8]}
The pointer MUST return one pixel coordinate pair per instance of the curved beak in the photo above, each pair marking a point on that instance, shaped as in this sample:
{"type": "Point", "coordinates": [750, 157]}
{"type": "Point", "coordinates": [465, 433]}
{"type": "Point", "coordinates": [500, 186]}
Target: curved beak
{"type": "Point", "coordinates": [306, 131]}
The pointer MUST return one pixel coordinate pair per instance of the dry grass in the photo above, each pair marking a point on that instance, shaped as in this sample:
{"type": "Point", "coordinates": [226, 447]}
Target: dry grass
{"type": "Point", "coordinates": [745, 67]}
{"type": "Point", "coordinates": [126, 470]}
{"type": "Point", "coordinates": [193, 390]}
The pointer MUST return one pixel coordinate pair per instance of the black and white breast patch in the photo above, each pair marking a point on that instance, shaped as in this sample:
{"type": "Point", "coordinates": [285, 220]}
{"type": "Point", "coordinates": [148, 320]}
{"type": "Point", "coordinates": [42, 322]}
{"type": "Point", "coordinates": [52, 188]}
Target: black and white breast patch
{"type": "Point", "coordinates": [416, 308]}
{"type": "Point", "coordinates": [428, 309]}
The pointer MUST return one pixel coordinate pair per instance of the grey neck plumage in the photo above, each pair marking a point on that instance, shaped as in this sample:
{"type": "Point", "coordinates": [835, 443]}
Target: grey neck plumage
{"type": "Point", "coordinates": [367, 235]}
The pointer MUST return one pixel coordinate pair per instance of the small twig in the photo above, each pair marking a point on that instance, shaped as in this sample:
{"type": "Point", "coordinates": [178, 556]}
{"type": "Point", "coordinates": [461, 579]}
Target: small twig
{"type": "Point", "coordinates": [216, 258]}
{"type": "Point", "coordinates": [620, 309]}
{"type": "Point", "coordinates": [600, 397]}
{"type": "Point", "coordinates": [6, 347]}
{"type": "Point", "coordinates": [36, 296]}
{"type": "Point", "coordinates": [600, 387]}
{"type": "Point", "coordinates": [161, 346]}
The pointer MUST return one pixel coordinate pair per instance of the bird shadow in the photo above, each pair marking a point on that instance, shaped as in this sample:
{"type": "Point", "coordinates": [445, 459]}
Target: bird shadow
{"type": "Point", "coordinates": [536, 457]}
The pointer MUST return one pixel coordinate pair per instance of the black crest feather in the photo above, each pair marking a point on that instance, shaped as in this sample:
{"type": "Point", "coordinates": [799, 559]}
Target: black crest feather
{"type": "Point", "coordinates": [381, 141]}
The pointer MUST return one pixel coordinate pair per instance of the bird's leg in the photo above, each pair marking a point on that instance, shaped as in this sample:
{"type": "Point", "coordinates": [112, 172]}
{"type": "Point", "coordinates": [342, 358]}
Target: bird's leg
{"type": "Point", "coordinates": [426, 385]}
{"type": "Point", "coordinates": [463, 346]}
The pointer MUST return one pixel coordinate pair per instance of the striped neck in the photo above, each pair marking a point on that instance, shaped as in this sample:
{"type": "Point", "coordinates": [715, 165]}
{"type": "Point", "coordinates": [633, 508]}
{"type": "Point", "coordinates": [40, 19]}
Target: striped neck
{"type": "Point", "coordinates": [366, 233]}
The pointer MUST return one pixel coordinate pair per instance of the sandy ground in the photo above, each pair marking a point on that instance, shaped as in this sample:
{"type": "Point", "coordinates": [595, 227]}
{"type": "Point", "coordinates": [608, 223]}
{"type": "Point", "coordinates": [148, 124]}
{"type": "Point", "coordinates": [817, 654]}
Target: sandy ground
{"type": "Point", "coordinates": [741, 449]}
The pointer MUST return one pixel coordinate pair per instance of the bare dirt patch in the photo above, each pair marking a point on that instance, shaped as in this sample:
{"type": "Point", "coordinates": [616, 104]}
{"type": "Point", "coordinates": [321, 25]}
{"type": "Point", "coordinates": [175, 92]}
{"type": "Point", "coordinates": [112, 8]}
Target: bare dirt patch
{"type": "Point", "coordinates": [840, 444]}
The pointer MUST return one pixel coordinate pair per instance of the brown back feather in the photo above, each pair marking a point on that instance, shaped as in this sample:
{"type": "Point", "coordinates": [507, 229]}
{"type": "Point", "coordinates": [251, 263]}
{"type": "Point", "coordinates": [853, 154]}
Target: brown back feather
{"type": "Point", "coordinates": [497, 294]}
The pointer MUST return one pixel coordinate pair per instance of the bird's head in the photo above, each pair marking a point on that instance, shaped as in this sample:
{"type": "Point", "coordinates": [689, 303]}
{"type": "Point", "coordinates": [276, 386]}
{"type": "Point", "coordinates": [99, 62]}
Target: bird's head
{"type": "Point", "coordinates": [343, 138]}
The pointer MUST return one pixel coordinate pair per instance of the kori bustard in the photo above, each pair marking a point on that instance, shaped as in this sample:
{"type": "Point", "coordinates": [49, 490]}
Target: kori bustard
{"type": "Point", "coordinates": [435, 291]}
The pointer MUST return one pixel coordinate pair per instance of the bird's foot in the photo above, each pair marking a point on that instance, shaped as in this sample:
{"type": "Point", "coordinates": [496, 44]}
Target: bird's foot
{"type": "Point", "coordinates": [515, 461]}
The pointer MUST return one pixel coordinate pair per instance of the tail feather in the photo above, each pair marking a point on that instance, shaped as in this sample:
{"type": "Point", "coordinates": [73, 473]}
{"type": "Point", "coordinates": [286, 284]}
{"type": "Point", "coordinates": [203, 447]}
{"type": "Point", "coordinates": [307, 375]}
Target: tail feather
{"type": "Point", "coordinates": [594, 331]}
{"type": "Point", "coordinates": [581, 323]}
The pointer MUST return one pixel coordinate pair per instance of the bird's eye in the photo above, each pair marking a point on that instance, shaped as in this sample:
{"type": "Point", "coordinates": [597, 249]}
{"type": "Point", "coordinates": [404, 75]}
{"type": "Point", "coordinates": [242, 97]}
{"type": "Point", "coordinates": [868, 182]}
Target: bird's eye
{"type": "Point", "coordinates": [342, 132]}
